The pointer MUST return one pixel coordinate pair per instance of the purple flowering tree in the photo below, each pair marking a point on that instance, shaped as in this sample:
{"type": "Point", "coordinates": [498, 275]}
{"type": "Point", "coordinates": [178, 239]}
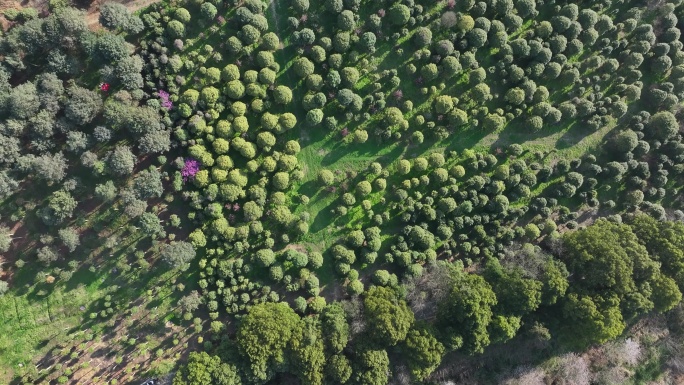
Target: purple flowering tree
{"type": "Point", "coordinates": [165, 102]}
{"type": "Point", "coordinates": [190, 169]}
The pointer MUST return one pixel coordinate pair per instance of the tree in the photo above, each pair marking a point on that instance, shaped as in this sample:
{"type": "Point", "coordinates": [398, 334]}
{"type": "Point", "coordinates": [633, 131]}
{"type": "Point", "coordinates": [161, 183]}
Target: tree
{"type": "Point", "coordinates": [303, 67]}
{"type": "Point", "coordinates": [148, 184]}
{"type": "Point", "coordinates": [625, 141]}
{"type": "Point", "coordinates": [5, 239]}
{"type": "Point", "coordinates": [444, 104]}
{"type": "Point", "coordinates": [326, 177]}
{"type": "Point", "coordinates": [515, 96]}
{"type": "Point", "coordinates": [150, 224]}
{"type": "Point", "coordinates": [393, 116]}
{"type": "Point", "coordinates": [202, 368]}
{"type": "Point", "coordinates": [389, 318]}
{"type": "Point", "coordinates": [106, 191]}
{"type": "Point", "coordinates": [345, 20]}
{"type": "Point", "coordinates": [466, 312]}
{"type": "Point", "coordinates": [350, 76]}
{"type": "Point", "coordinates": [69, 236]}
{"type": "Point", "coordinates": [663, 125]}
{"type": "Point", "coordinates": [516, 294]}
{"type": "Point", "coordinates": [265, 257]}
{"type": "Point", "coordinates": [76, 142]}
{"type": "Point", "coordinates": [208, 11]}
{"type": "Point", "coordinates": [263, 336]}
{"type": "Point", "coordinates": [182, 15]}
{"type": "Point", "coordinates": [175, 29]}
{"type": "Point", "coordinates": [235, 89]}
{"type": "Point", "coordinates": [301, 6]}
{"type": "Point", "coordinates": [266, 140]}
{"type": "Point", "coordinates": [82, 105]}
{"type": "Point", "coordinates": [47, 255]}
{"type": "Point", "coordinates": [422, 37]}
{"type": "Point", "coordinates": [399, 14]}
{"type": "Point", "coordinates": [363, 188]}
{"type": "Point", "coordinates": [111, 48]}
{"type": "Point", "coordinates": [24, 101]}
{"type": "Point", "coordinates": [282, 94]}
{"type": "Point", "coordinates": [190, 302]}
{"type": "Point", "coordinates": [307, 357]}
{"type": "Point", "coordinates": [61, 205]}
{"type": "Point", "coordinates": [7, 185]}
{"type": "Point", "coordinates": [465, 23]}
{"type": "Point", "coordinates": [114, 16]}
{"type": "Point", "coordinates": [525, 8]}
{"type": "Point", "coordinates": [591, 321]}
{"type": "Point", "coordinates": [51, 168]}
{"type": "Point", "coordinates": [335, 327]}
{"type": "Point", "coordinates": [314, 116]}
{"type": "Point", "coordinates": [121, 160]}
{"type": "Point", "coordinates": [334, 6]}
{"type": "Point", "coordinates": [252, 211]}
{"type": "Point", "coordinates": [424, 352]}
{"type": "Point", "coordinates": [494, 122]}
{"type": "Point", "coordinates": [666, 295]}
{"type": "Point", "coordinates": [371, 367]}
{"type": "Point", "coordinates": [477, 37]}
{"type": "Point", "coordinates": [338, 368]}
{"type": "Point", "coordinates": [604, 255]}
{"type": "Point", "coordinates": [663, 240]}
{"type": "Point", "coordinates": [281, 180]}
{"type": "Point", "coordinates": [178, 254]}
{"type": "Point", "coordinates": [155, 142]}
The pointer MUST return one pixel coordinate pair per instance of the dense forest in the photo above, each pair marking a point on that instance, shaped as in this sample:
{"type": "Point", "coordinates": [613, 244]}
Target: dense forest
{"type": "Point", "coordinates": [343, 192]}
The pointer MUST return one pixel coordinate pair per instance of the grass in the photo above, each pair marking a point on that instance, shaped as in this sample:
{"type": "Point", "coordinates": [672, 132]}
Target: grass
{"type": "Point", "coordinates": [321, 149]}
{"type": "Point", "coordinates": [30, 326]}
{"type": "Point", "coordinates": [53, 329]}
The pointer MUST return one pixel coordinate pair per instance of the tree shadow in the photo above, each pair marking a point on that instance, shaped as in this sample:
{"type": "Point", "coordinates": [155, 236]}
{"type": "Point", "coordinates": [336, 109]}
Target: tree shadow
{"type": "Point", "coordinates": [464, 138]}
{"type": "Point", "coordinates": [324, 218]}
{"type": "Point", "coordinates": [310, 188]}
{"type": "Point", "coordinates": [575, 133]}
{"type": "Point", "coordinates": [515, 133]}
